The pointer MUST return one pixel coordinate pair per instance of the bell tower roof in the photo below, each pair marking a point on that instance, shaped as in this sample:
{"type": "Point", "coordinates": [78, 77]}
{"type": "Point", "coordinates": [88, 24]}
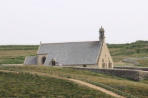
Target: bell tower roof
{"type": "Point", "coordinates": [101, 30]}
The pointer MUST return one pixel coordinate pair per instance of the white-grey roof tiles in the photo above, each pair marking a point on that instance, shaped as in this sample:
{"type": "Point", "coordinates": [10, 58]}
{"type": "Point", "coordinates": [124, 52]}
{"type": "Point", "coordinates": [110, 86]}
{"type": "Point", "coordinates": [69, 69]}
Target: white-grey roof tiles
{"type": "Point", "coordinates": [71, 53]}
{"type": "Point", "coordinates": [30, 60]}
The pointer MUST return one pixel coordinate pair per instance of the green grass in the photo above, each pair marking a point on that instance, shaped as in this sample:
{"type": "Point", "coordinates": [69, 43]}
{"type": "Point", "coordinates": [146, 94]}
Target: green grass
{"type": "Point", "coordinates": [144, 62]}
{"type": "Point", "coordinates": [13, 60]}
{"type": "Point", "coordinates": [33, 86]}
{"type": "Point", "coordinates": [138, 49]}
{"type": "Point", "coordinates": [15, 54]}
{"type": "Point", "coordinates": [18, 47]}
{"type": "Point", "coordinates": [128, 87]}
{"type": "Point", "coordinates": [127, 95]}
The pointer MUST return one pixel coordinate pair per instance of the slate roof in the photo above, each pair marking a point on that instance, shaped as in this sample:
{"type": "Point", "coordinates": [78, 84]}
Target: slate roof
{"type": "Point", "coordinates": [71, 53]}
{"type": "Point", "coordinates": [30, 60]}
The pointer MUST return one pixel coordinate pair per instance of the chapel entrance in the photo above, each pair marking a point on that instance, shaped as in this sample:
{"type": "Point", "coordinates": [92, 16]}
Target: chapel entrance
{"type": "Point", "coordinates": [43, 60]}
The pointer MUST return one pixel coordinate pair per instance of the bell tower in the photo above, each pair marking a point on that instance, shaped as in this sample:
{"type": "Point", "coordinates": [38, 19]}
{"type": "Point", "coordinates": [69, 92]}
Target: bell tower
{"type": "Point", "coordinates": [101, 32]}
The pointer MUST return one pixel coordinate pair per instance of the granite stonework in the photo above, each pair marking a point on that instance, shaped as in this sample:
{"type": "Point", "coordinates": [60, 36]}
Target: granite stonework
{"type": "Point", "coordinates": [136, 75]}
{"type": "Point", "coordinates": [134, 68]}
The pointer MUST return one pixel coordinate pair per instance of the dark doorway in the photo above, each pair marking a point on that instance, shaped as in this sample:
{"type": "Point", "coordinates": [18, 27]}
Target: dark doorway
{"type": "Point", "coordinates": [84, 65]}
{"type": "Point", "coordinates": [43, 60]}
{"type": "Point", "coordinates": [53, 62]}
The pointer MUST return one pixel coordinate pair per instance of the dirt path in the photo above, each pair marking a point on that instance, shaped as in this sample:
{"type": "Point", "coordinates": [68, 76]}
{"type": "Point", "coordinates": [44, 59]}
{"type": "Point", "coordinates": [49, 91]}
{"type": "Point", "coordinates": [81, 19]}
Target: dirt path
{"type": "Point", "coordinates": [96, 87]}
{"type": "Point", "coordinates": [75, 81]}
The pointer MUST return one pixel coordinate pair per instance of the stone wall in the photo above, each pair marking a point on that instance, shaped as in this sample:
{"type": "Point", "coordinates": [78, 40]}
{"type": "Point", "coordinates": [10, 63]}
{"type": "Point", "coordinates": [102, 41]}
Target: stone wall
{"type": "Point", "coordinates": [134, 68]}
{"type": "Point", "coordinates": [124, 73]}
{"type": "Point", "coordinates": [105, 59]}
{"type": "Point", "coordinates": [143, 75]}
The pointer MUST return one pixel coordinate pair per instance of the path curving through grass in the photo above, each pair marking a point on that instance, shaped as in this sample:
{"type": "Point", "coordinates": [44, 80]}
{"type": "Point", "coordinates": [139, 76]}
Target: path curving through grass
{"type": "Point", "coordinates": [72, 80]}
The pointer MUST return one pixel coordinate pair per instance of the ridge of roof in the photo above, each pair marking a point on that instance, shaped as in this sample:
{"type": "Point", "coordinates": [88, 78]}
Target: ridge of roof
{"type": "Point", "coordinates": [69, 42]}
{"type": "Point", "coordinates": [82, 52]}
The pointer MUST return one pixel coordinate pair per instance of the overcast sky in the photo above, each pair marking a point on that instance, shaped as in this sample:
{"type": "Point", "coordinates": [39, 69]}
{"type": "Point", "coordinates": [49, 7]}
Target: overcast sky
{"type": "Point", "coordinates": [32, 21]}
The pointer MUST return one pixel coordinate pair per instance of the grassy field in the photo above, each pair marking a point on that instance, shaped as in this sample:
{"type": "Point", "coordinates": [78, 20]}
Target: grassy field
{"type": "Point", "coordinates": [25, 85]}
{"type": "Point", "coordinates": [16, 54]}
{"type": "Point", "coordinates": [132, 54]}
{"type": "Point", "coordinates": [118, 85]}
{"type": "Point", "coordinates": [137, 51]}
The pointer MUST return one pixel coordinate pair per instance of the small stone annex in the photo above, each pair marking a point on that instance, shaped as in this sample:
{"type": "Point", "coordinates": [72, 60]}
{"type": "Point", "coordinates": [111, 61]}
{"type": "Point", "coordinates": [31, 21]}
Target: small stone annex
{"type": "Point", "coordinates": [84, 54]}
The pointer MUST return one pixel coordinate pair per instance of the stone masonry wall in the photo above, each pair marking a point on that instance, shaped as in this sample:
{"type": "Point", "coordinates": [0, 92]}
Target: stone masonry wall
{"type": "Point", "coordinates": [134, 68]}
{"type": "Point", "coordinates": [124, 73]}
{"type": "Point", "coordinates": [143, 75]}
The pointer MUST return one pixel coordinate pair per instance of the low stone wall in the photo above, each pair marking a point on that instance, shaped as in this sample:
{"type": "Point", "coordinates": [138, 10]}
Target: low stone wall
{"type": "Point", "coordinates": [143, 75]}
{"type": "Point", "coordinates": [124, 73]}
{"type": "Point", "coordinates": [135, 68]}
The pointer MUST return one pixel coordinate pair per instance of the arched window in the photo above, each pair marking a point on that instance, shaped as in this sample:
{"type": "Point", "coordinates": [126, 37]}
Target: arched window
{"type": "Point", "coordinates": [43, 59]}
